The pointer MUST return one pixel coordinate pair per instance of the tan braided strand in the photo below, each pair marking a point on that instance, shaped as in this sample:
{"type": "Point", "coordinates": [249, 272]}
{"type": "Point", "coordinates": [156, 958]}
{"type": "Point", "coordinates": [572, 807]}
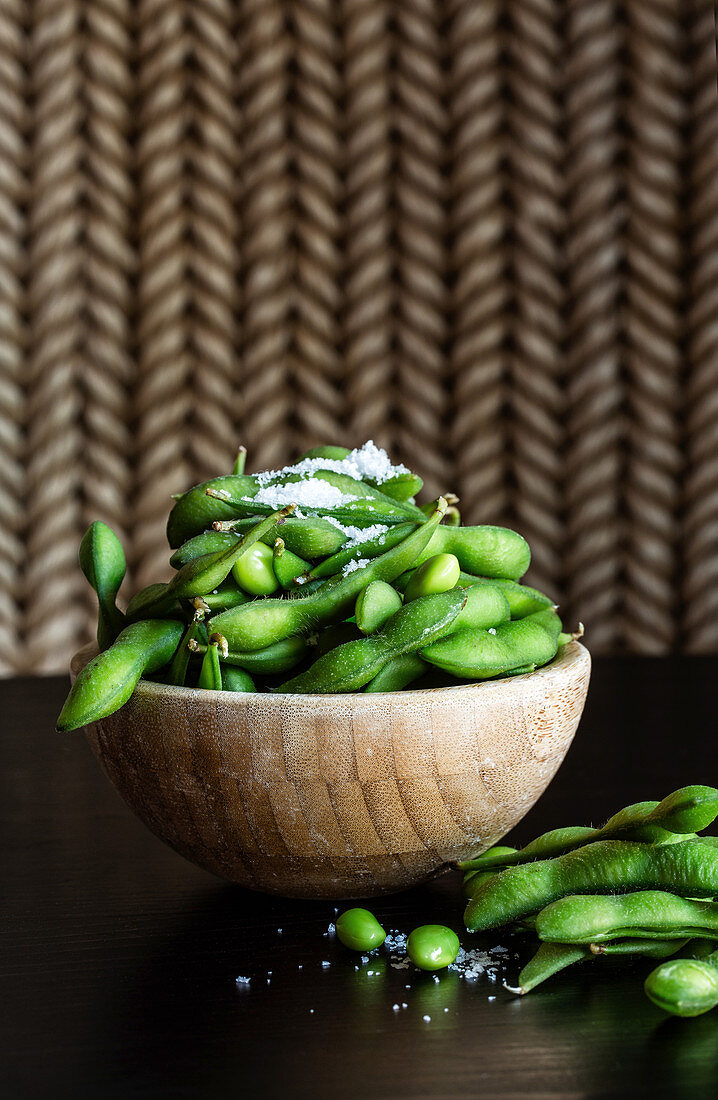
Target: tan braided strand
{"type": "Point", "coordinates": [700, 525]}
{"type": "Point", "coordinates": [107, 372]}
{"type": "Point", "coordinates": [266, 401]}
{"type": "Point", "coordinates": [163, 395]}
{"type": "Point", "coordinates": [214, 165]}
{"type": "Point", "coordinates": [537, 189]}
{"type": "Point", "coordinates": [478, 261]}
{"type": "Point", "coordinates": [368, 287]}
{"type": "Point", "coordinates": [655, 118]}
{"type": "Point", "coordinates": [421, 228]}
{"type": "Point", "coordinates": [53, 587]}
{"type": "Point", "coordinates": [592, 550]}
{"type": "Point", "coordinates": [14, 122]}
{"type": "Point", "coordinates": [316, 152]}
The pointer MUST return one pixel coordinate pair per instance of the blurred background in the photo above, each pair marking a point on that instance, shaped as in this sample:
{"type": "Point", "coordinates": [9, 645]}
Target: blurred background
{"type": "Point", "coordinates": [483, 233]}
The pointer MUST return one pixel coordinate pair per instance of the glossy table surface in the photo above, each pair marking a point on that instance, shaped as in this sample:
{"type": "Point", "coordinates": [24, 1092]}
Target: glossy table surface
{"type": "Point", "coordinates": [119, 958]}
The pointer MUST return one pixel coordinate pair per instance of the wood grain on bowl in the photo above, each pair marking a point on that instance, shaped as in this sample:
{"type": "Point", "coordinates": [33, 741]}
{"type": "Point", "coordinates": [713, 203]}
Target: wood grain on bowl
{"type": "Point", "coordinates": [340, 795]}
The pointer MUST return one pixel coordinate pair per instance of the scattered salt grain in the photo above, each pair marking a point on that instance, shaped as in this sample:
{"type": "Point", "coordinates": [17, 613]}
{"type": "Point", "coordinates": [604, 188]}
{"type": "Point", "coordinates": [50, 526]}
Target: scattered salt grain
{"type": "Point", "coordinates": [331, 929]}
{"type": "Point", "coordinates": [311, 1011]}
{"type": "Point", "coordinates": [311, 493]}
{"type": "Point", "coordinates": [446, 1010]}
{"type": "Point", "coordinates": [325, 964]}
{"type": "Point", "coordinates": [242, 981]}
{"type": "Point", "coordinates": [491, 630]}
{"type": "Point", "coordinates": [492, 998]}
{"type": "Point", "coordinates": [368, 461]}
{"type": "Point", "coordinates": [404, 1004]}
{"type": "Point", "coordinates": [279, 931]}
{"type": "Point", "coordinates": [395, 941]}
{"type": "Point", "coordinates": [395, 1008]}
{"type": "Point", "coordinates": [427, 1019]}
{"type": "Point", "coordinates": [352, 566]}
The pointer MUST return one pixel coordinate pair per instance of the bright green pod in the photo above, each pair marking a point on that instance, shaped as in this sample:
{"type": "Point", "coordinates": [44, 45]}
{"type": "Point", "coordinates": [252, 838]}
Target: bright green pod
{"type": "Point", "coordinates": [278, 657]}
{"type": "Point", "coordinates": [644, 914]}
{"type": "Point", "coordinates": [397, 674]}
{"type": "Point", "coordinates": [688, 810]}
{"type": "Point", "coordinates": [483, 654]}
{"type": "Point", "coordinates": [195, 511]}
{"type": "Point", "coordinates": [254, 571]}
{"type": "Point", "coordinates": [210, 673]}
{"type": "Point", "coordinates": [522, 599]}
{"type": "Point", "coordinates": [375, 605]}
{"type": "Point", "coordinates": [402, 486]}
{"type": "Point", "coordinates": [432, 947]}
{"type": "Point", "coordinates": [482, 551]}
{"type": "Point", "coordinates": [287, 566]}
{"type": "Point", "coordinates": [226, 595]}
{"type": "Point", "coordinates": [202, 575]}
{"type": "Point", "coordinates": [236, 679]}
{"type": "Point", "coordinates": [196, 633]}
{"type": "Point", "coordinates": [379, 543]}
{"type": "Point", "coordinates": [309, 538]}
{"type": "Point", "coordinates": [650, 949]}
{"type": "Point", "coordinates": [439, 573]}
{"type": "Point", "coordinates": [107, 682]}
{"type": "Point", "coordinates": [550, 959]}
{"type": "Point", "coordinates": [102, 560]}
{"type": "Point", "coordinates": [351, 666]}
{"type": "Point", "coordinates": [689, 869]}
{"type": "Point", "coordinates": [684, 987]}
{"type": "Point", "coordinates": [359, 930]}
{"type": "Point", "coordinates": [265, 621]}
{"type": "Point", "coordinates": [473, 880]}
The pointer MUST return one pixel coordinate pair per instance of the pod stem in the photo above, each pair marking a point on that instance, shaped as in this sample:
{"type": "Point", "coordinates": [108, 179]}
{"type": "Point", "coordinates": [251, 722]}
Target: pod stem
{"type": "Point", "coordinates": [240, 461]}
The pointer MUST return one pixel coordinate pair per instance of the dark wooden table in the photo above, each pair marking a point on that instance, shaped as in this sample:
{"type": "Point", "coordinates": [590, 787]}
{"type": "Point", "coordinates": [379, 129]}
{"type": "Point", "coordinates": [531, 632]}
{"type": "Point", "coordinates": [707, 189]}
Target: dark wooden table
{"type": "Point", "coordinates": [118, 974]}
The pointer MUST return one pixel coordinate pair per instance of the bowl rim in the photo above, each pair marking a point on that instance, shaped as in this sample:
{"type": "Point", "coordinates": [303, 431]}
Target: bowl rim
{"type": "Point", "coordinates": [570, 655]}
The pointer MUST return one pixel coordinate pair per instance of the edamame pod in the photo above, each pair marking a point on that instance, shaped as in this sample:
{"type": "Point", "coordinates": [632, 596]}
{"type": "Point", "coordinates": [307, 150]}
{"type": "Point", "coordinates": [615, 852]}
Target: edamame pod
{"type": "Point", "coordinates": [685, 987]}
{"type": "Point", "coordinates": [210, 673]}
{"type": "Point", "coordinates": [287, 566]}
{"type": "Point", "coordinates": [689, 869]}
{"type": "Point", "coordinates": [645, 914]}
{"type": "Point", "coordinates": [482, 551]}
{"type": "Point", "coordinates": [549, 960]}
{"type": "Point", "coordinates": [397, 674]}
{"type": "Point", "coordinates": [351, 666]}
{"type": "Point", "coordinates": [236, 679]}
{"type": "Point", "coordinates": [265, 621]}
{"type": "Point", "coordinates": [522, 599]}
{"type": "Point", "coordinates": [278, 657]}
{"type": "Point", "coordinates": [180, 662]}
{"type": "Point", "coordinates": [195, 511]}
{"type": "Point", "coordinates": [226, 595]}
{"type": "Point", "coordinates": [402, 486]}
{"type": "Point", "coordinates": [382, 540]}
{"type": "Point", "coordinates": [375, 605]}
{"type": "Point", "coordinates": [309, 538]}
{"type": "Point", "coordinates": [102, 560]}
{"type": "Point", "coordinates": [107, 682]}
{"type": "Point", "coordinates": [439, 573]}
{"type": "Point", "coordinates": [483, 654]}
{"type": "Point", "coordinates": [201, 575]}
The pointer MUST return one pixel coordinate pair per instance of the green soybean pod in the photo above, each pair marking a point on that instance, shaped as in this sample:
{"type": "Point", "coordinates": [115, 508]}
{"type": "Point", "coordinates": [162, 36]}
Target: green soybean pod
{"type": "Point", "coordinates": [652, 949]}
{"type": "Point", "coordinates": [484, 608]}
{"type": "Point", "coordinates": [473, 880]}
{"type": "Point", "coordinates": [689, 869]}
{"type": "Point", "coordinates": [382, 538]}
{"type": "Point", "coordinates": [210, 673]}
{"type": "Point", "coordinates": [236, 679]}
{"type": "Point", "coordinates": [553, 843]}
{"type": "Point", "coordinates": [645, 914]}
{"type": "Point", "coordinates": [687, 810]}
{"type": "Point", "coordinates": [375, 605]}
{"type": "Point", "coordinates": [254, 571]}
{"type": "Point", "coordinates": [351, 666]}
{"type": "Point", "coordinates": [287, 566]}
{"type": "Point", "coordinates": [439, 573]}
{"type": "Point", "coordinates": [265, 621]}
{"type": "Point", "coordinates": [309, 538]}
{"type": "Point", "coordinates": [397, 674]}
{"type": "Point", "coordinates": [359, 930]}
{"type": "Point", "coordinates": [107, 682]}
{"type": "Point", "coordinates": [684, 987]}
{"type": "Point", "coordinates": [204, 574]}
{"type": "Point", "coordinates": [180, 662]}
{"type": "Point", "coordinates": [432, 946]}
{"type": "Point", "coordinates": [401, 486]}
{"type": "Point", "coordinates": [278, 657]}
{"type": "Point", "coordinates": [335, 635]}
{"type": "Point", "coordinates": [225, 595]}
{"type": "Point", "coordinates": [483, 654]}
{"type": "Point", "coordinates": [550, 959]}
{"type": "Point", "coordinates": [522, 599]}
{"type": "Point", "coordinates": [102, 560]}
{"type": "Point", "coordinates": [482, 551]}
{"type": "Point", "coordinates": [336, 454]}
{"type": "Point", "coordinates": [195, 511]}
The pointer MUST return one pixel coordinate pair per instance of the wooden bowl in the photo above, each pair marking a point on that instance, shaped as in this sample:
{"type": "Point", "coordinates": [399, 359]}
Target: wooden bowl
{"type": "Point", "coordinates": [340, 796]}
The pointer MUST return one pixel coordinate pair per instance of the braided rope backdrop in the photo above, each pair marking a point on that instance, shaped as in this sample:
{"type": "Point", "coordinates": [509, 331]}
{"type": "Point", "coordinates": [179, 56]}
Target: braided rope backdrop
{"type": "Point", "coordinates": [482, 232]}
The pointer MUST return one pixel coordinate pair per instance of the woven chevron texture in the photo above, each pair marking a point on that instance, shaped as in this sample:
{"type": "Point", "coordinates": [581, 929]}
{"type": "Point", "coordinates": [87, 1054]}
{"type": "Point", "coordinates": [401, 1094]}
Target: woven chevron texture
{"type": "Point", "coordinates": [483, 233]}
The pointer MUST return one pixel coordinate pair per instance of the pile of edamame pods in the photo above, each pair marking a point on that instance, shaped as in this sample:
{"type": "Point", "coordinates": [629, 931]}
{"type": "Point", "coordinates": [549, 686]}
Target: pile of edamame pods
{"type": "Point", "coordinates": [327, 569]}
{"type": "Point", "coordinates": [642, 884]}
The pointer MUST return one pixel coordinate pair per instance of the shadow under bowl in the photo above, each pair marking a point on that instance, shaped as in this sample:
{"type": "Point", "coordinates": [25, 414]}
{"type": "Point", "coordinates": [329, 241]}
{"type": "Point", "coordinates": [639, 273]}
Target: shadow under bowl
{"type": "Point", "coordinates": [339, 796]}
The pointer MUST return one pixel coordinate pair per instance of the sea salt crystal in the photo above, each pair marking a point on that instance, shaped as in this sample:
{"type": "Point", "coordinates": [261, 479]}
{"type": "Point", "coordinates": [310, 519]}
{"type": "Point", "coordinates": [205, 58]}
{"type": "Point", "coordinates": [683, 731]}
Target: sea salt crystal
{"type": "Point", "coordinates": [427, 1019]}
{"type": "Point", "coordinates": [395, 940]}
{"type": "Point", "coordinates": [368, 461]}
{"type": "Point", "coordinates": [325, 964]}
{"type": "Point", "coordinates": [352, 566]}
{"type": "Point", "coordinates": [395, 1008]}
{"type": "Point", "coordinates": [491, 630]}
{"type": "Point", "coordinates": [312, 494]}
{"type": "Point", "coordinates": [242, 981]}
{"type": "Point", "coordinates": [492, 998]}
{"type": "Point", "coordinates": [404, 1004]}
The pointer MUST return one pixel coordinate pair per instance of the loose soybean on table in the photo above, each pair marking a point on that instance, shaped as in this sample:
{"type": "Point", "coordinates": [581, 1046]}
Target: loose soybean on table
{"type": "Point", "coordinates": [119, 959]}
